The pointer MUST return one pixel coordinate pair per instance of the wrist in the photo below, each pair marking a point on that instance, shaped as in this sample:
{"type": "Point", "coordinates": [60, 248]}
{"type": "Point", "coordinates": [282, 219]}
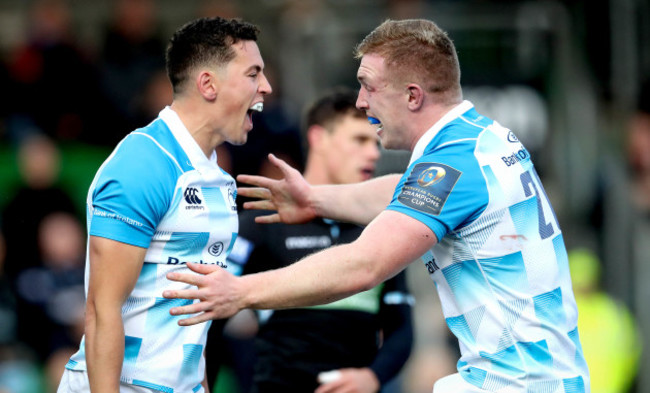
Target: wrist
{"type": "Point", "coordinates": [315, 201]}
{"type": "Point", "coordinates": [372, 376]}
{"type": "Point", "coordinates": [244, 292]}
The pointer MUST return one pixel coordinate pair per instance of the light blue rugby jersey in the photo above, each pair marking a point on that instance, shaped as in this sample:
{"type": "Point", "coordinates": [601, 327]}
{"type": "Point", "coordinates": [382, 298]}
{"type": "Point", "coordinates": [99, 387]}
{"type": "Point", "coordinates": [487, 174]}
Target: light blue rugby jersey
{"type": "Point", "coordinates": [500, 265]}
{"type": "Point", "coordinates": [157, 190]}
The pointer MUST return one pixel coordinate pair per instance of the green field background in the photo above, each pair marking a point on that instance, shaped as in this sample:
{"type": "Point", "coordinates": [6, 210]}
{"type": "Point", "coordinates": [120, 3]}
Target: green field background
{"type": "Point", "coordinates": [79, 163]}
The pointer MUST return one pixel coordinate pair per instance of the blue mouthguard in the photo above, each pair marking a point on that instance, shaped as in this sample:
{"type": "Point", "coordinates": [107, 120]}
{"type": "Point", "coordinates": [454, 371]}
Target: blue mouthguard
{"type": "Point", "coordinates": [373, 120]}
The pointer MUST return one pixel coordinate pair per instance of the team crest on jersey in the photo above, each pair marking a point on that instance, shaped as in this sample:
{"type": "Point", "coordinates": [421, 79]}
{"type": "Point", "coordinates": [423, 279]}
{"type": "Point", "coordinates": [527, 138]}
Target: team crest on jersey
{"type": "Point", "coordinates": [428, 187]}
{"type": "Point", "coordinates": [512, 137]}
{"type": "Point", "coordinates": [216, 249]}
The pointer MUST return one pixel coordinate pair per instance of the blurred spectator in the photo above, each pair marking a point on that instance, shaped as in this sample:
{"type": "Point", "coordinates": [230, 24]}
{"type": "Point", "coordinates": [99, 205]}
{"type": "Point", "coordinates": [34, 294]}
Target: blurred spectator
{"type": "Point", "coordinates": [222, 8]}
{"type": "Point", "coordinates": [51, 77]}
{"type": "Point", "coordinates": [7, 302]}
{"type": "Point", "coordinates": [154, 97]}
{"type": "Point", "coordinates": [51, 295]}
{"type": "Point", "coordinates": [131, 53]}
{"type": "Point", "coordinates": [5, 100]}
{"type": "Point", "coordinates": [37, 196]}
{"type": "Point", "coordinates": [19, 373]}
{"type": "Point", "coordinates": [36, 271]}
{"type": "Point", "coordinates": [62, 241]}
{"type": "Point", "coordinates": [639, 151]}
{"type": "Point", "coordinates": [610, 339]}
{"type": "Point", "coordinates": [18, 369]}
{"type": "Point", "coordinates": [407, 9]}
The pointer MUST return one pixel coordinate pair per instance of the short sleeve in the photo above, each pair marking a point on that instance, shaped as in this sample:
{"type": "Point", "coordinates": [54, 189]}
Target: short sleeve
{"type": "Point", "coordinates": [132, 192]}
{"type": "Point", "coordinates": [444, 189]}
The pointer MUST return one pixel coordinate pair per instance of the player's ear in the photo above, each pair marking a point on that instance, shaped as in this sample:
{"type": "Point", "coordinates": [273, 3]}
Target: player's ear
{"type": "Point", "coordinates": [315, 136]}
{"type": "Point", "coordinates": [207, 84]}
{"type": "Point", "coordinates": [415, 96]}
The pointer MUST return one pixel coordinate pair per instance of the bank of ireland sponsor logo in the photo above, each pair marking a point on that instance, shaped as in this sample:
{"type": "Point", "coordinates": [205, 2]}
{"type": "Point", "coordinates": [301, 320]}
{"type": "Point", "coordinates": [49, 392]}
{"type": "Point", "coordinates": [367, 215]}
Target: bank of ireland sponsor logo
{"type": "Point", "coordinates": [130, 221]}
{"type": "Point", "coordinates": [174, 260]}
{"type": "Point", "coordinates": [428, 187]}
{"type": "Point", "coordinates": [516, 157]}
{"type": "Point", "coordinates": [431, 265]}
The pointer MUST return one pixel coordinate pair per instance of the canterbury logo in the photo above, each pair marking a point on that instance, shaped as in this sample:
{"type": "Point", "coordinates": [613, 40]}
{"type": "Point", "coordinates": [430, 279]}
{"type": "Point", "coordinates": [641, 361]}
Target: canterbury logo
{"type": "Point", "coordinates": [191, 197]}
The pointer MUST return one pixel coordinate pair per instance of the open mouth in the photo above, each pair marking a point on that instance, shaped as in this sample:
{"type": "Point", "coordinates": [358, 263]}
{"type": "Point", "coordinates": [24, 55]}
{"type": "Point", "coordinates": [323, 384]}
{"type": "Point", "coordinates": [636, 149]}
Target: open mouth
{"type": "Point", "coordinates": [254, 108]}
{"type": "Point", "coordinates": [376, 122]}
{"type": "Point", "coordinates": [367, 173]}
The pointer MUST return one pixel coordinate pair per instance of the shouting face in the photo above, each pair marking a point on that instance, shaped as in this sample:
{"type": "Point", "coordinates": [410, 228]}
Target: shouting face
{"type": "Point", "coordinates": [241, 91]}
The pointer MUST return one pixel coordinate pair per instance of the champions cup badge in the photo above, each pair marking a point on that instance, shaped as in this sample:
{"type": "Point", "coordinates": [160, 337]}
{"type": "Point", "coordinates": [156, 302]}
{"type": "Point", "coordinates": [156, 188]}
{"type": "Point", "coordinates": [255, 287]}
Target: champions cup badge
{"type": "Point", "coordinates": [431, 176]}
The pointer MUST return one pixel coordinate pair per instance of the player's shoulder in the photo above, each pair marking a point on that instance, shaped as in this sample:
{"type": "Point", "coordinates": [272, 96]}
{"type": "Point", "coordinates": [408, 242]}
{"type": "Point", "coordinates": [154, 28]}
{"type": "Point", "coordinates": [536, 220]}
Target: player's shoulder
{"type": "Point", "coordinates": [139, 162]}
{"type": "Point", "coordinates": [152, 149]}
{"type": "Point", "coordinates": [156, 142]}
{"type": "Point", "coordinates": [463, 131]}
{"type": "Point", "coordinates": [452, 154]}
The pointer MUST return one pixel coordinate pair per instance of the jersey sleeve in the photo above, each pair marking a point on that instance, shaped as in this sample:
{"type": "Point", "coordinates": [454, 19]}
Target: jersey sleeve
{"type": "Point", "coordinates": [132, 192]}
{"type": "Point", "coordinates": [445, 189]}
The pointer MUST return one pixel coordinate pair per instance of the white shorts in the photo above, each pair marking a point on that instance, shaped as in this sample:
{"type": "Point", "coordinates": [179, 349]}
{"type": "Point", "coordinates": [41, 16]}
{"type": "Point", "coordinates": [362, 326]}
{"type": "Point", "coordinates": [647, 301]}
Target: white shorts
{"type": "Point", "coordinates": [454, 383]}
{"type": "Point", "coordinates": [77, 382]}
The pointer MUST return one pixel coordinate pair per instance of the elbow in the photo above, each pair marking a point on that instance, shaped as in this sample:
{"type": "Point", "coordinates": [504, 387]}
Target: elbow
{"type": "Point", "coordinates": [370, 269]}
{"type": "Point", "coordinates": [375, 279]}
{"type": "Point", "coordinates": [360, 280]}
{"type": "Point", "coordinates": [100, 313]}
{"type": "Point", "coordinates": [365, 286]}
{"type": "Point", "coordinates": [90, 314]}
{"type": "Point", "coordinates": [371, 277]}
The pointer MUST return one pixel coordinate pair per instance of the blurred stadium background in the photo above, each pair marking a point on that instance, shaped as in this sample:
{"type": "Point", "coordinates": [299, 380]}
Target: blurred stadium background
{"type": "Point", "coordinates": [569, 77]}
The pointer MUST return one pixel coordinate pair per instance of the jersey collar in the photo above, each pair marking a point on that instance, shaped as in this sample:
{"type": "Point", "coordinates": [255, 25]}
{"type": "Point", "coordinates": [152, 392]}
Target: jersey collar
{"type": "Point", "coordinates": [198, 160]}
{"type": "Point", "coordinates": [427, 137]}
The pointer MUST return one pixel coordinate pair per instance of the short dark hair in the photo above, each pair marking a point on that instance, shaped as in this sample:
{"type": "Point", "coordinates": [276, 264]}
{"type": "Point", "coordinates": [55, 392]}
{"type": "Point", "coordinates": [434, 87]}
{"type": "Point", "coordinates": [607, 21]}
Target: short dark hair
{"type": "Point", "coordinates": [331, 106]}
{"type": "Point", "coordinates": [328, 108]}
{"type": "Point", "coordinates": [204, 41]}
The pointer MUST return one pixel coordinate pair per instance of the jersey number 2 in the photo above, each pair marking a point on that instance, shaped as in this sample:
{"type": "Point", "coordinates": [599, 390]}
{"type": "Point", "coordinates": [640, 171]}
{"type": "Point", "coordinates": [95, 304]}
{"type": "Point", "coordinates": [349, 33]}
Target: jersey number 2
{"type": "Point", "coordinates": [530, 181]}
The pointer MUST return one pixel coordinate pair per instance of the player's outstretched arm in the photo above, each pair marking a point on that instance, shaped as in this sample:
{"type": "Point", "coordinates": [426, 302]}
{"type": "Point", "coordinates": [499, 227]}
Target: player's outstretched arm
{"type": "Point", "coordinates": [296, 201]}
{"type": "Point", "coordinates": [386, 246]}
{"type": "Point", "coordinates": [289, 197]}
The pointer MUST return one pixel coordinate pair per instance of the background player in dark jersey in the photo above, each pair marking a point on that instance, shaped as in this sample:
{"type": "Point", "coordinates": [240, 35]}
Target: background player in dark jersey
{"type": "Point", "coordinates": [367, 337]}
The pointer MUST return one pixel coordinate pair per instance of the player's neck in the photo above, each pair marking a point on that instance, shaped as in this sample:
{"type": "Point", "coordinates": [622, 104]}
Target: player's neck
{"type": "Point", "coordinates": [427, 118]}
{"type": "Point", "coordinates": [315, 173]}
{"type": "Point", "coordinates": [198, 126]}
